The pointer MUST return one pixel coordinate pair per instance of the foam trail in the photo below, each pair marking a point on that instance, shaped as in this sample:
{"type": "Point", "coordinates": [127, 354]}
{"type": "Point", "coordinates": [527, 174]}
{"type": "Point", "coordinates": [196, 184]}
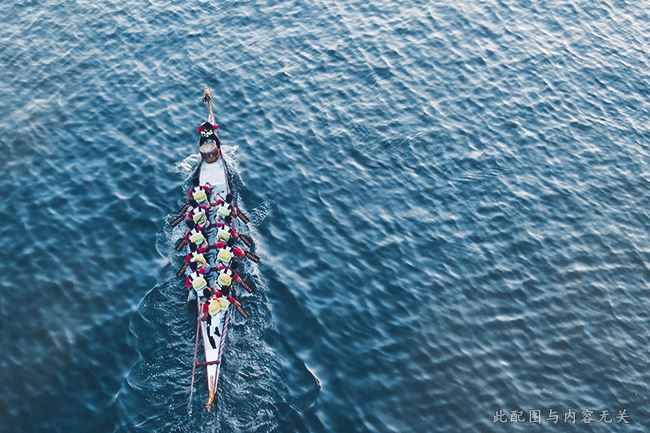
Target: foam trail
{"type": "Point", "coordinates": [187, 165]}
{"type": "Point", "coordinates": [261, 211]}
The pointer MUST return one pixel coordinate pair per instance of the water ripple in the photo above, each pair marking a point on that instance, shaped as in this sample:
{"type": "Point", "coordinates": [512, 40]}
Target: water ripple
{"type": "Point", "coordinates": [449, 198]}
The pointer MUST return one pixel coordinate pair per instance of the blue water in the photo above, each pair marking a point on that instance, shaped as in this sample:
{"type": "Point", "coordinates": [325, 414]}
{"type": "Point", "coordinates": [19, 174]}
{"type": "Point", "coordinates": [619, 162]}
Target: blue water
{"type": "Point", "coordinates": [450, 200]}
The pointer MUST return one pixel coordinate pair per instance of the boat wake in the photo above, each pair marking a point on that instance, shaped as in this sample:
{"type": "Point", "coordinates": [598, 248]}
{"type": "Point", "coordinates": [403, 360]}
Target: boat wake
{"type": "Point", "coordinates": [165, 335]}
{"type": "Point", "coordinates": [262, 211]}
{"type": "Point", "coordinates": [188, 165]}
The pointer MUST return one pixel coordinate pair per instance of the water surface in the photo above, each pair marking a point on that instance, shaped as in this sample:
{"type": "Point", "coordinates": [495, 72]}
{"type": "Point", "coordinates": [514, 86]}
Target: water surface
{"type": "Point", "coordinates": [450, 200]}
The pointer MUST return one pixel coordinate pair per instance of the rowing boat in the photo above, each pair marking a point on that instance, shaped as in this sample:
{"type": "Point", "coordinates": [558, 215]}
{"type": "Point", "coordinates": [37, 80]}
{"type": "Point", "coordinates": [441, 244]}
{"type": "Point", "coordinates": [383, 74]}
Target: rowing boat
{"type": "Point", "coordinates": [216, 174]}
{"type": "Point", "coordinates": [213, 335]}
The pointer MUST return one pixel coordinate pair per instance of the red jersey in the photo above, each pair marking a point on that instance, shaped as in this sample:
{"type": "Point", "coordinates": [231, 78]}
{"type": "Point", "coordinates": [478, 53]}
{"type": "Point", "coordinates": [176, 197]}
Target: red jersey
{"type": "Point", "coordinates": [236, 251]}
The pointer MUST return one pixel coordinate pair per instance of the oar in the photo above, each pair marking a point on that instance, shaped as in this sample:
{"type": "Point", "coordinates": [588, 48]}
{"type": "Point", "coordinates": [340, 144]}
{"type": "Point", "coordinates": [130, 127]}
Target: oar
{"type": "Point", "coordinates": [251, 256]}
{"type": "Point", "coordinates": [245, 239]}
{"type": "Point", "coordinates": [240, 214]}
{"type": "Point", "coordinates": [243, 217]}
{"type": "Point", "coordinates": [176, 221]}
{"type": "Point", "coordinates": [181, 243]}
{"type": "Point", "coordinates": [246, 286]}
{"type": "Point", "coordinates": [196, 354]}
{"type": "Point", "coordinates": [241, 310]}
{"type": "Point", "coordinates": [180, 272]}
{"type": "Point", "coordinates": [184, 208]}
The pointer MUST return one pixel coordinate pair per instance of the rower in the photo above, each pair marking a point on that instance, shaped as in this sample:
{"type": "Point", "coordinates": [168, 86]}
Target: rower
{"type": "Point", "coordinates": [196, 269]}
{"type": "Point", "coordinates": [196, 255]}
{"type": "Point", "coordinates": [209, 310]}
{"type": "Point", "coordinates": [225, 299]}
{"type": "Point", "coordinates": [225, 230]}
{"type": "Point", "coordinates": [227, 251]}
{"type": "Point", "coordinates": [225, 207]}
{"type": "Point", "coordinates": [196, 235]}
{"type": "Point", "coordinates": [199, 192]}
{"type": "Point", "coordinates": [206, 294]}
{"type": "Point", "coordinates": [208, 131]}
{"type": "Point", "coordinates": [226, 276]}
{"type": "Point", "coordinates": [225, 292]}
{"type": "Point", "coordinates": [198, 213]}
{"type": "Point", "coordinates": [196, 279]}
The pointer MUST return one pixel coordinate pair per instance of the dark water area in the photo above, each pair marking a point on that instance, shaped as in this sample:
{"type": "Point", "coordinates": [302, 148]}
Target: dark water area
{"type": "Point", "coordinates": [450, 200]}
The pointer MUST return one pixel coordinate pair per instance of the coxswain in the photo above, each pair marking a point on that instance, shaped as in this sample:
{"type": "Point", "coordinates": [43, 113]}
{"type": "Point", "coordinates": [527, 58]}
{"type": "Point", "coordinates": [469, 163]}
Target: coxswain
{"type": "Point", "coordinates": [199, 192]}
{"type": "Point", "coordinates": [208, 131]}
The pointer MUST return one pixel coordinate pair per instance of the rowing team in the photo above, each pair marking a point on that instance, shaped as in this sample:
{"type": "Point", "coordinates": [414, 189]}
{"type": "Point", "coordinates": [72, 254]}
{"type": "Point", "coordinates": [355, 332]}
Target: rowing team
{"type": "Point", "coordinates": [219, 297]}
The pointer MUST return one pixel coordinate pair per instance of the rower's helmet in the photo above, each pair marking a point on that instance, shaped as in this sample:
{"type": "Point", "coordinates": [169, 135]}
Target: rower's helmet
{"type": "Point", "coordinates": [193, 203]}
{"type": "Point", "coordinates": [228, 198]}
{"type": "Point", "coordinates": [230, 242]}
{"type": "Point", "coordinates": [207, 126]}
{"type": "Point", "coordinates": [193, 266]}
{"type": "Point", "coordinates": [234, 266]}
{"type": "Point", "coordinates": [193, 247]}
{"type": "Point", "coordinates": [190, 223]}
{"type": "Point", "coordinates": [207, 292]}
{"type": "Point", "coordinates": [228, 219]}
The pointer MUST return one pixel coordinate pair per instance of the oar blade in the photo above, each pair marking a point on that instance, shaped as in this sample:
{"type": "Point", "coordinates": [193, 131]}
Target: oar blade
{"type": "Point", "coordinates": [176, 221]}
{"type": "Point", "coordinates": [252, 257]}
{"type": "Point", "coordinates": [249, 288]}
{"type": "Point", "coordinates": [241, 310]}
{"type": "Point", "coordinates": [243, 217]}
{"type": "Point", "coordinates": [181, 244]}
{"type": "Point", "coordinates": [246, 240]}
{"type": "Point", "coordinates": [181, 271]}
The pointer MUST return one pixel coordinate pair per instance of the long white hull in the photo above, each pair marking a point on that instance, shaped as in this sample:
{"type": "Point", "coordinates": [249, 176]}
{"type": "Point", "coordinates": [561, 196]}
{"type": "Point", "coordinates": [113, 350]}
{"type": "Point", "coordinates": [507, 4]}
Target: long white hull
{"type": "Point", "coordinates": [216, 174]}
